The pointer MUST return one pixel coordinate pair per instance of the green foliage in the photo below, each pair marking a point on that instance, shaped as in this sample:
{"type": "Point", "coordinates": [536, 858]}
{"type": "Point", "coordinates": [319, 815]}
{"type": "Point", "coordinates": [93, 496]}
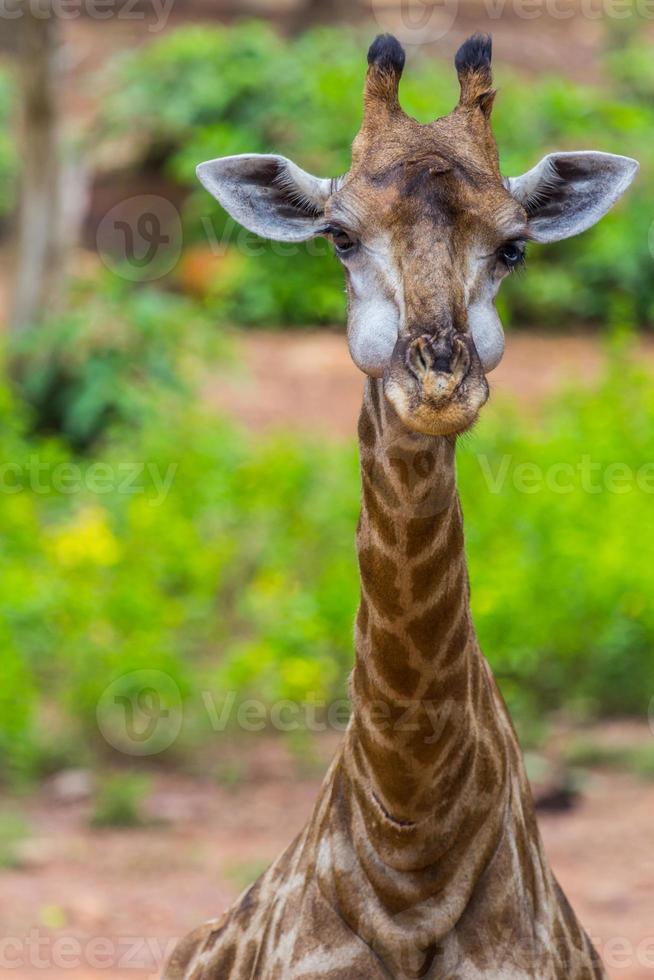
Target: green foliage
{"type": "Point", "coordinates": [630, 65]}
{"type": "Point", "coordinates": [230, 773]}
{"type": "Point", "coordinates": [586, 753]}
{"type": "Point", "coordinates": [120, 800]}
{"type": "Point", "coordinates": [110, 359]}
{"type": "Point", "coordinates": [227, 563]}
{"type": "Point", "coordinates": [8, 153]}
{"type": "Point", "coordinates": [13, 831]}
{"type": "Point", "coordinates": [198, 93]}
{"type": "Point", "coordinates": [243, 873]}
{"type": "Point", "coordinates": [561, 599]}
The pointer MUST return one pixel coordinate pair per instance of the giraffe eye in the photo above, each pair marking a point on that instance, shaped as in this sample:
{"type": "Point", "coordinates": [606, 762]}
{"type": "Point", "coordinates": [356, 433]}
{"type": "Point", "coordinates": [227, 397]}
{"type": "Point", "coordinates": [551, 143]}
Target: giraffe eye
{"type": "Point", "coordinates": [344, 244]}
{"type": "Point", "coordinates": [512, 254]}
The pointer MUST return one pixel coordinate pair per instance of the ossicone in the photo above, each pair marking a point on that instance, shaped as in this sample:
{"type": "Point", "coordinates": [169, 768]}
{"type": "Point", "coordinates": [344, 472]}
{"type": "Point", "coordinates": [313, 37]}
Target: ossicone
{"type": "Point", "coordinates": [386, 60]}
{"type": "Point", "coordinates": [387, 53]}
{"type": "Point", "coordinates": [473, 65]}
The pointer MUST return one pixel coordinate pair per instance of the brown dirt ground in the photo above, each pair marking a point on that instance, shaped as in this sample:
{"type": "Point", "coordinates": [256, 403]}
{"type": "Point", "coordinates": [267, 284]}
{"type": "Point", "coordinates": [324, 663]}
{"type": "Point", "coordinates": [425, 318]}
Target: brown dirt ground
{"type": "Point", "coordinates": [136, 891]}
{"type": "Point", "coordinates": [306, 381]}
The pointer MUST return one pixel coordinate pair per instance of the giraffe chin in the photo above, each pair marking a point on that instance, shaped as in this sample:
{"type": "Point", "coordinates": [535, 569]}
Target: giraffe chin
{"type": "Point", "coordinates": [449, 417]}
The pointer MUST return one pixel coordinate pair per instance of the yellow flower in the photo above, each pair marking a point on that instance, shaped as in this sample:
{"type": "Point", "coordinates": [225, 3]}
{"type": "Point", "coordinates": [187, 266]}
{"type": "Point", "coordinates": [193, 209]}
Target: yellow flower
{"type": "Point", "coordinates": [88, 539]}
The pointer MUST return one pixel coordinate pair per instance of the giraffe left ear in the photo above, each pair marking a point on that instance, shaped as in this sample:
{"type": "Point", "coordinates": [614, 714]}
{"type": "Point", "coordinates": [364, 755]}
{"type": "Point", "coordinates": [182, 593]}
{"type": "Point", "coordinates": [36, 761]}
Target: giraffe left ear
{"type": "Point", "coordinates": [268, 195]}
{"type": "Point", "coordinates": [566, 193]}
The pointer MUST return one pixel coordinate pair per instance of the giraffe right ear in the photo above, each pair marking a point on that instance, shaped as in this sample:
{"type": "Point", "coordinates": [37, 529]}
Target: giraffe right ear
{"type": "Point", "coordinates": [566, 193]}
{"type": "Point", "coordinates": [268, 195]}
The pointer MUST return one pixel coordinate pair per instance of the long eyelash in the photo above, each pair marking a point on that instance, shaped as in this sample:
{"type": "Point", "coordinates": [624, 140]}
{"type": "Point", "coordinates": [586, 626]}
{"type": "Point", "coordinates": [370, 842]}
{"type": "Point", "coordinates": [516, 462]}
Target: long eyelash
{"type": "Point", "coordinates": [520, 265]}
{"type": "Point", "coordinates": [330, 230]}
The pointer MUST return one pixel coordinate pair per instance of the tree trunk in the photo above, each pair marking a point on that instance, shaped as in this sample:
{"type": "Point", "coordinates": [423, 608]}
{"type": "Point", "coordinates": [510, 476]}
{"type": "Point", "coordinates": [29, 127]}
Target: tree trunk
{"type": "Point", "coordinates": [47, 226]}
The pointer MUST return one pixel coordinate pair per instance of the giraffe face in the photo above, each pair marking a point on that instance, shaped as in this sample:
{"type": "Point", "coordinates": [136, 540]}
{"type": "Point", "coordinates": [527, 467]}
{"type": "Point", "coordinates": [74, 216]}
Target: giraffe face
{"type": "Point", "coordinates": [426, 235]}
{"type": "Point", "coordinates": [428, 249]}
{"type": "Point", "coordinates": [426, 229]}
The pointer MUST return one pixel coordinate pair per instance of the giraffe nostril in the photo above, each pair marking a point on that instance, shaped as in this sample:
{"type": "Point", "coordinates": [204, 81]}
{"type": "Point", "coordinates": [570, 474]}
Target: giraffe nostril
{"type": "Point", "coordinates": [421, 357]}
{"type": "Point", "coordinates": [424, 357]}
{"type": "Point", "coordinates": [437, 354]}
{"type": "Point", "coordinates": [442, 364]}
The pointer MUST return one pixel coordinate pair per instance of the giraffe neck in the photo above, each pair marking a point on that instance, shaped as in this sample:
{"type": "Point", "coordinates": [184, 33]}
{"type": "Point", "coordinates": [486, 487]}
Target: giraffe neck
{"type": "Point", "coordinates": [429, 766]}
{"type": "Point", "coordinates": [430, 736]}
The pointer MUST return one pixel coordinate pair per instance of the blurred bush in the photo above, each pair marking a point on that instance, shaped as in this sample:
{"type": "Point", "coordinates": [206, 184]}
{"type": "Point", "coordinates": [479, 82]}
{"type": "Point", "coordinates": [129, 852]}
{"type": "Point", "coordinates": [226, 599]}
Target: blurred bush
{"type": "Point", "coordinates": [560, 596]}
{"type": "Point", "coordinates": [120, 801]}
{"type": "Point", "coordinates": [109, 359]}
{"type": "Point", "coordinates": [13, 831]}
{"type": "Point", "coordinates": [227, 562]}
{"type": "Point", "coordinates": [8, 150]}
{"type": "Point", "coordinates": [202, 92]}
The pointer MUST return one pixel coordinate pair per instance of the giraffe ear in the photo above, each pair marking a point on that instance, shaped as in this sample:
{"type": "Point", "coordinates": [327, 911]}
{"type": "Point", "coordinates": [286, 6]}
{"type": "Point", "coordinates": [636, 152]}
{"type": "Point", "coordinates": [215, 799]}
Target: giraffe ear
{"type": "Point", "coordinates": [268, 195]}
{"type": "Point", "coordinates": [566, 193]}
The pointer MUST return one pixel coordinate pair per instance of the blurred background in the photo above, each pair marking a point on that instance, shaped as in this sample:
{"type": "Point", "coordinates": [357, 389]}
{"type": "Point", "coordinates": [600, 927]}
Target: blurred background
{"type": "Point", "coordinates": [178, 471]}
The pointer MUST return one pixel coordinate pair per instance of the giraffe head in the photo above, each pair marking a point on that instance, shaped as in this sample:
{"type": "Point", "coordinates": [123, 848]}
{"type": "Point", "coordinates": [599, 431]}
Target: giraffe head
{"type": "Point", "coordinates": [426, 228]}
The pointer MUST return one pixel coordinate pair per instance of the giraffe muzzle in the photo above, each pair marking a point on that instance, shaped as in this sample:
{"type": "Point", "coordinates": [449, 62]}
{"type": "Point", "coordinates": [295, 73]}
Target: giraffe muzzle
{"type": "Point", "coordinates": [439, 364]}
{"type": "Point", "coordinates": [435, 381]}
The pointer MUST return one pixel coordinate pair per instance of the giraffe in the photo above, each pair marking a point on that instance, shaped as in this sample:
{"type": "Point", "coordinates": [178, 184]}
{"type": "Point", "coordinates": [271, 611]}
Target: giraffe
{"type": "Point", "coordinates": [422, 857]}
